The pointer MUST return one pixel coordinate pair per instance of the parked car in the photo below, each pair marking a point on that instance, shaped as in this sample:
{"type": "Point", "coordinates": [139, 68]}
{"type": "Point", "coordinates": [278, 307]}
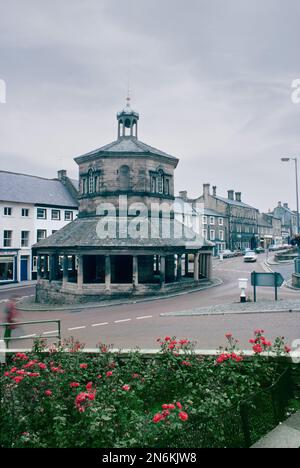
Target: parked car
{"type": "Point", "coordinates": [238, 253]}
{"type": "Point", "coordinates": [244, 251]}
{"type": "Point", "coordinates": [260, 250]}
{"type": "Point", "coordinates": [227, 253]}
{"type": "Point", "coordinates": [273, 248]}
{"type": "Point", "coordinates": [250, 257]}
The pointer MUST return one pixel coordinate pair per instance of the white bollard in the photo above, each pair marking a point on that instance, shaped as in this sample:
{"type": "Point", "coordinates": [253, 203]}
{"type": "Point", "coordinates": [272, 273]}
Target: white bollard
{"type": "Point", "coordinates": [243, 285]}
{"type": "Point", "coordinates": [2, 352]}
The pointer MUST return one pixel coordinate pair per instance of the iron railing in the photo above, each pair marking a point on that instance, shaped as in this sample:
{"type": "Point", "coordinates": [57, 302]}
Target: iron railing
{"type": "Point", "coordinates": [239, 426]}
{"type": "Point", "coordinates": [8, 327]}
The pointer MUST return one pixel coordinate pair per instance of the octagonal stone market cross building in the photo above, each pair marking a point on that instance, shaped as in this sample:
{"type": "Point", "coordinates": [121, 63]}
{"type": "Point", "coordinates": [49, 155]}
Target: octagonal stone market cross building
{"type": "Point", "coordinates": [125, 241]}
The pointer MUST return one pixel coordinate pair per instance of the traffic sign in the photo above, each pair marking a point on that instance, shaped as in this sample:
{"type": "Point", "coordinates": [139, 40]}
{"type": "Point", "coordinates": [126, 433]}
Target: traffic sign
{"type": "Point", "coordinates": [272, 280]}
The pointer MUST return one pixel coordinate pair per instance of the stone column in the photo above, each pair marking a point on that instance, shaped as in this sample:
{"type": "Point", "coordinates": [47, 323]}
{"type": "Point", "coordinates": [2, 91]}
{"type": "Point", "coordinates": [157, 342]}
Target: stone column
{"type": "Point", "coordinates": [107, 272]}
{"type": "Point", "coordinates": [39, 268]}
{"type": "Point", "coordinates": [186, 260]}
{"type": "Point", "coordinates": [196, 267]}
{"type": "Point", "coordinates": [80, 272]}
{"type": "Point", "coordinates": [179, 269]}
{"type": "Point", "coordinates": [65, 270]}
{"type": "Point", "coordinates": [209, 267]}
{"type": "Point", "coordinates": [162, 270]}
{"type": "Point", "coordinates": [135, 272]}
{"type": "Point", "coordinates": [52, 275]}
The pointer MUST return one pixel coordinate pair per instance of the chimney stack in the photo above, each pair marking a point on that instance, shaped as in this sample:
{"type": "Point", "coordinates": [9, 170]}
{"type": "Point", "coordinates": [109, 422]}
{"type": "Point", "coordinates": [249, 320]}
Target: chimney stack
{"type": "Point", "coordinates": [230, 194]}
{"type": "Point", "coordinates": [286, 205]}
{"type": "Point", "coordinates": [183, 194]}
{"type": "Point", "coordinates": [279, 204]}
{"type": "Point", "coordinates": [206, 190]}
{"type": "Point", "coordinates": [214, 191]}
{"type": "Point", "coordinates": [61, 174]}
{"type": "Point", "coordinates": [238, 196]}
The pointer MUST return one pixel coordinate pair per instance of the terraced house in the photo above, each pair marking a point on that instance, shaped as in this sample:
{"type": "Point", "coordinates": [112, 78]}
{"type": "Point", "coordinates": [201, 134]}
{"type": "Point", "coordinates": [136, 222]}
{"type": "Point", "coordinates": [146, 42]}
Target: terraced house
{"type": "Point", "coordinates": [31, 208]}
{"type": "Point", "coordinates": [240, 219]}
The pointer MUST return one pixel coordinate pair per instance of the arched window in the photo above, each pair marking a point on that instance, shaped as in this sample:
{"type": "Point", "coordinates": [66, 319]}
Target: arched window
{"type": "Point", "coordinates": [124, 178]}
{"type": "Point", "coordinates": [91, 181]}
{"type": "Point", "coordinates": [160, 182]}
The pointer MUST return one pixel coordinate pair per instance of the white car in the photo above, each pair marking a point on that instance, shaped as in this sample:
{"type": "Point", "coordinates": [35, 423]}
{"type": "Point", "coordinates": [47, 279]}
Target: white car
{"type": "Point", "coordinates": [250, 257]}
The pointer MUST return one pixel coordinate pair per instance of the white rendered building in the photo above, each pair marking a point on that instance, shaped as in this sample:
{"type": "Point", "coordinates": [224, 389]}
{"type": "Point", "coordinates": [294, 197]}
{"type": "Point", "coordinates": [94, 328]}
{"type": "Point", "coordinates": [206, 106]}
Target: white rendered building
{"type": "Point", "coordinates": [31, 208]}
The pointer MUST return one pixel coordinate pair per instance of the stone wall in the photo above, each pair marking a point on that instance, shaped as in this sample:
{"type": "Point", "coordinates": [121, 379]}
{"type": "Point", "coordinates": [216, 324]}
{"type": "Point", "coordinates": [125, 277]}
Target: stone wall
{"type": "Point", "coordinates": [53, 293]}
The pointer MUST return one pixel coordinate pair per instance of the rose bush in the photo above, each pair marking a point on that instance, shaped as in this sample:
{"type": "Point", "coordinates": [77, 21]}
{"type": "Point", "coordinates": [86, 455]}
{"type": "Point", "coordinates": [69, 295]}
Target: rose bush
{"type": "Point", "coordinates": [67, 398]}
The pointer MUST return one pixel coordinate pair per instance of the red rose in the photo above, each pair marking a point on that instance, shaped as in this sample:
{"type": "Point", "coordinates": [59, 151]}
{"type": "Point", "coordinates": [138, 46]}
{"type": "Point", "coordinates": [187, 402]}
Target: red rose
{"type": "Point", "coordinates": [18, 379]}
{"type": "Point", "coordinates": [109, 374]}
{"type": "Point", "coordinates": [48, 392]}
{"type": "Point", "coordinates": [257, 349]}
{"type": "Point", "coordinates": [74, 384]}
{"type": "Point", "coordinates": [167, 338]}
{"type": "Point", "coordinates": [179, 405]}
{"type": "Point", "coordinates": [89, 386]}
{"type": "Point", "coordinates": [83, 366]}
{"type": "Point", "coordinates": [157, 418]}
{"type": "Point", "coordinates": [183, 416]}
{"type": "Point", "coordinates": [126, 388]}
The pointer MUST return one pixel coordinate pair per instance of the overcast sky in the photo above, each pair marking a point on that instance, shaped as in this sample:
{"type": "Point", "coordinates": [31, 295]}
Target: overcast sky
{"type": "Point", "coordinates": [210, 78]}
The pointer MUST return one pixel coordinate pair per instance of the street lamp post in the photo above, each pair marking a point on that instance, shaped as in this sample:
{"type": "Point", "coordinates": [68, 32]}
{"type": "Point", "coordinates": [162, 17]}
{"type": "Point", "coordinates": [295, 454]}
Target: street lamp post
{"type": "Point", "coordinates": [297, 188]}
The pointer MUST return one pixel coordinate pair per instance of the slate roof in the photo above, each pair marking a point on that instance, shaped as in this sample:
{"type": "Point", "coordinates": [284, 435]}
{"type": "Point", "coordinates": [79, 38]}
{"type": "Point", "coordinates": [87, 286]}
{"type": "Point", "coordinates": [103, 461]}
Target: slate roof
{"type": "Point", "coordinates": [126, 145]}
{"type": "Point", "coordinates": [23, 188]}
{"type": "Point", "coordinates": [210, 212]}
{"type": "Point", "coordinates": [83, 232]}
{"type": "Point", "coordinates": [235, 203]}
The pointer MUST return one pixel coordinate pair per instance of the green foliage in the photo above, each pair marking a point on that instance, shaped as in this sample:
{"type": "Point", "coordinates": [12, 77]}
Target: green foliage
{"type": "Point", "coordinates": [67, 398]}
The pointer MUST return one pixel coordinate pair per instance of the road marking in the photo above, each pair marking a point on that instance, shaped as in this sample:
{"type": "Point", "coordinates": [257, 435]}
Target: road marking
{"type": "Point", "coordinates": [144, 317]}
{"type": "Point", "coordinates": [76, 328]}
{"type": "Point", "coordinates": [50, 332]}
{"type": "Point", "coordinates": [122, 321]}
{"type": "Point", "coordinates": [99, 324]}
{"type": "Point", "coordinates": [27, 336]}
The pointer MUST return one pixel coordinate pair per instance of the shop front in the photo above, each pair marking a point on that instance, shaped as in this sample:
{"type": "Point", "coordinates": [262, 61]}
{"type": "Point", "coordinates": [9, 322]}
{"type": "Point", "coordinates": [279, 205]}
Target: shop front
{"type": "Point", "coordinates": [8, 266]}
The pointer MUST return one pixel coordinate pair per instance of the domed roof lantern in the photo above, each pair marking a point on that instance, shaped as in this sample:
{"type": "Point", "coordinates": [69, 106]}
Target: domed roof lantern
{"type": "Point", "coordinates": [128, 121]}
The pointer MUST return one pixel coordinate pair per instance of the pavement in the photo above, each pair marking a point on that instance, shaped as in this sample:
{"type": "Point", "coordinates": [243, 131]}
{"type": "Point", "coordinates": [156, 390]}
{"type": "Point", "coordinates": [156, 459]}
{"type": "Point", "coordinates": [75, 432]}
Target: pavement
{"type": "Point", "coordinates": [262, 307]}
{"type": "Point", "coordinates": [286, 435]}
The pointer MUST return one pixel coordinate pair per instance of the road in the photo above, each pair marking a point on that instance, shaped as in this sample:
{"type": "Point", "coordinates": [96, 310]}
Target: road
{"type": "Point", "coordinates": [140, 324]}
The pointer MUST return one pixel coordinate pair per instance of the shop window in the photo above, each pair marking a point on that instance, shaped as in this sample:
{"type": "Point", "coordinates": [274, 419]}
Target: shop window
{"type": "Point", "coordinates": [6, 269]}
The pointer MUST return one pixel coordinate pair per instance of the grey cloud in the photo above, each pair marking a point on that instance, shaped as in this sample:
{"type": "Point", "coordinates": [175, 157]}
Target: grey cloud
{"type": "Point", "coordinates": [211, 79]}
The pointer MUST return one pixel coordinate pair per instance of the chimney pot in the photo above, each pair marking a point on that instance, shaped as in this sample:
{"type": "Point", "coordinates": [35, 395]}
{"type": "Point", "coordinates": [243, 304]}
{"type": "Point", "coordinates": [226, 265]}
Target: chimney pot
{"type": "Point", "coordinates": [214, 191]}
{"type": "Point", "coordinates": [238, 196]}
{"type": "Point", "coordinates": [183, 194]}
{"type": "Point", "coordinates": [230, 194]}
{"type": "Point", "coordinates": [61, 174]}
{"type": "Point", "coordinates": [206, 190]}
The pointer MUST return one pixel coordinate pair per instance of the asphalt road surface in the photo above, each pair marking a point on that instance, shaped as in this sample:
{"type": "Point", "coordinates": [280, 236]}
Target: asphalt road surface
{"type": "Point", "coordinates": [140, 324]}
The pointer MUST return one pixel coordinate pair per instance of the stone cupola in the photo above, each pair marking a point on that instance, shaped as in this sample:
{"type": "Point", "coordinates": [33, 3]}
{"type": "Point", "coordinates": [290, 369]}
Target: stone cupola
{"type": "Point", "coordinates": [128, 121]}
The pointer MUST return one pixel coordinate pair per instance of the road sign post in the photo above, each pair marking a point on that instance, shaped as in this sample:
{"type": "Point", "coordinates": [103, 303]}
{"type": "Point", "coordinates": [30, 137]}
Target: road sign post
{"type": "Point", "coordinates": [272, 280]}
